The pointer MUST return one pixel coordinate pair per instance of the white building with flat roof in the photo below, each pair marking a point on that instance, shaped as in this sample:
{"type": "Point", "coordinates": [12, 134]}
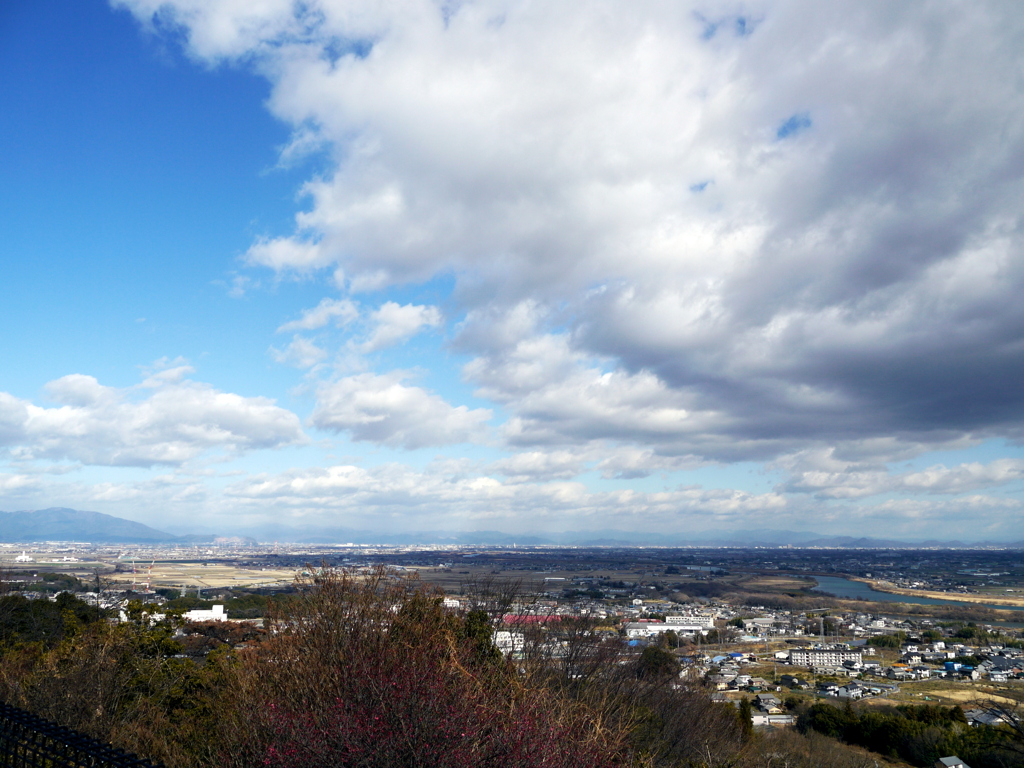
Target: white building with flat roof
{"type": "Point", "coordinates": [214, 614]}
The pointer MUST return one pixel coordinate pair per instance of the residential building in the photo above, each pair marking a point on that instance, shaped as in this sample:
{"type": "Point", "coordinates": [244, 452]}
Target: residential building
{"type": "Point", "coordinates": [509, 642]}
{"type": "Point", "coordinates": [214, 614]}
{"type": "Point", "coordinates": [823, 657]}
{"type": "Point", "coordinates": [700, 620]}
{"type": "Point", "coordinates": [636, 629]}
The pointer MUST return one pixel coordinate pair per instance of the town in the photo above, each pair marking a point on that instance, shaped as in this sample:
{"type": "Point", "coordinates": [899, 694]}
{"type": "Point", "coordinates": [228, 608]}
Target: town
{"type": "Point", "coordinates": [746, 623]}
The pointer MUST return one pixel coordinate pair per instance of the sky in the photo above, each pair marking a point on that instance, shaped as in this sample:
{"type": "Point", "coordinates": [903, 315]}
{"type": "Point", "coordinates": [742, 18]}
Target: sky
{"type": "Point", "coordinates": [443, 265]}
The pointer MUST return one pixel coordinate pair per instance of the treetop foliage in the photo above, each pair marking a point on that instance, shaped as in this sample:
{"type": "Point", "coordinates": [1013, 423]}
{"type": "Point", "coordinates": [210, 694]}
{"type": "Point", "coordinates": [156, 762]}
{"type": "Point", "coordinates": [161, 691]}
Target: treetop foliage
{"type": "Point", "coordinates": [373, 671]}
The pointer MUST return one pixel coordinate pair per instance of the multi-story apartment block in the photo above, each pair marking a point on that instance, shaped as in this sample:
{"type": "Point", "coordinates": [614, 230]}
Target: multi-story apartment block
{"type": "Point", "coordinates": [694, 620]}
{"type": "Point", "coordinates": [823, 657]}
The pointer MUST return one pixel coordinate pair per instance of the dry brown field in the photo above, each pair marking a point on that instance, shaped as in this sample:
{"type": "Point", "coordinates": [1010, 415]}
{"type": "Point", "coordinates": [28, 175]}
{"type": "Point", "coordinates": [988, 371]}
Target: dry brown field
{"type": "Point", "coordinates": [776, 583]}
{"type": "Point", "coordinates": [462, 577]}
{"type": "Point", "coordinates": [199, 575]}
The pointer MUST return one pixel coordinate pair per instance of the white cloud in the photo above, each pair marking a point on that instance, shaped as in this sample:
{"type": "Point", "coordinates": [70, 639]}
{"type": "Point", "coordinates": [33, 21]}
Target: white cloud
{"type": "Point", "coordinates": [626, 463]}
{"type": "Point", "coordinates": [381, 409]}
{"type": "Point", "coordinates": [12, 484]}
{"type": "Point", "coordinates": [240, 284]}
{"type": "Point", "coordinates": [174, 422]}
{"type": "Point", "coordinates": [970, 518]}
{"type": "Point", "coordinates": [610, 459]}
{"type": "Point", "coordinates": [672, 240]}
{"type": "Point", "coordinates": [533, 466]}
{"type": "Point", "coordinates": [172, 374]}
{"type": "Point", "coordinates": [220, 29]}
{"type": "Point", "coordinates": [558, 397]}
{"type": "Point", "coordinates": [13, 417]}
{"type": "Point", "coordinates": [964, 477]}
{"type": "Point", "coordinates": [300, 353]}
{"type": "Point", "coordinates": [627, 172]}
{"type": "Point", "coordinates": [394, 323]}
{"type": "Point", "coordinates": [828, 477]}
{"type": "Point", "coordinates": [282, 252]}
{"type": "Point", "coordinates": [341, 311]}
{"type": "Point", "coordinates": [425, 498]}
{"type": "Point", "coordinates": [458, 497]}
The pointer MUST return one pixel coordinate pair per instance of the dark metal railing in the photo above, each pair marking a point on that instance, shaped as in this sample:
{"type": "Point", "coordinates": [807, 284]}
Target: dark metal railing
{"type": "Point", "coordinates": [28, 741]}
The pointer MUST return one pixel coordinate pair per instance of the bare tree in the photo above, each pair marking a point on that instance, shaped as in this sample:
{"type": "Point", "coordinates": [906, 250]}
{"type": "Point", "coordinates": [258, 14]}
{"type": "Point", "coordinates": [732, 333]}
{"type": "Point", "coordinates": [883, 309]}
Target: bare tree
{"type": "Point", "coordinates": [1005, 726]}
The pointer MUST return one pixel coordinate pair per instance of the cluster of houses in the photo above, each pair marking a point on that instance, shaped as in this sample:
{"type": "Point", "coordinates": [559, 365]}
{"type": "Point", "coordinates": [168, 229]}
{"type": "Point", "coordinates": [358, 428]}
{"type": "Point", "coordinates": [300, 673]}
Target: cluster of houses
{"type": "Point", "coordinates": [857, 689]}
{"type": "Point", "coordinates": [916, 662]}
{"type": "Point", "coordinates": [725, 673]}
{"type": "Point", "coordinates": [996, 663]}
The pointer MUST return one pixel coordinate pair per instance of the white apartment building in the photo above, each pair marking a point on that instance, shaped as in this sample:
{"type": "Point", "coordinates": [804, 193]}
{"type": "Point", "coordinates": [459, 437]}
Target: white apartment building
{"type": "Point", "coordinates": [509, 642]}
{"type": "Point", "coordinates": [652, 628]}
{"type": "Point", "coordinates": [694, 620]}
{"type": "Point", "coordinates": [215, 614]}
{"type": "Point", "coordinates": [823, 657]}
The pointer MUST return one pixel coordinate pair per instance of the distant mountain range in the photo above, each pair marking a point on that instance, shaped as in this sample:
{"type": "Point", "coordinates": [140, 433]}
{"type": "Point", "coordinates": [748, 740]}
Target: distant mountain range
{"type": "Point", "coordinates": [59, 524]}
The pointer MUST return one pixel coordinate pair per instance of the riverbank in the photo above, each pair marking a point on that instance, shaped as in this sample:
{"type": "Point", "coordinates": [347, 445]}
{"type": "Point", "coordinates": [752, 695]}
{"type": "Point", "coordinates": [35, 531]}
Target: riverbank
{"type": "Point", "coordinates": [892, 589]}
{"type": "Point", "coordinates": [846, 590]}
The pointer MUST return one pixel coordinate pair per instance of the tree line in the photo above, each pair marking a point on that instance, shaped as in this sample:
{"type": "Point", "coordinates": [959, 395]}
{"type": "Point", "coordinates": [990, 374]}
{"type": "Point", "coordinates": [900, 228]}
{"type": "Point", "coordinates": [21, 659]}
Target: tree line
{"type": "Point", "coordinates": [372, 670]}
{"type": "Point", "coordinates": [919, 734]}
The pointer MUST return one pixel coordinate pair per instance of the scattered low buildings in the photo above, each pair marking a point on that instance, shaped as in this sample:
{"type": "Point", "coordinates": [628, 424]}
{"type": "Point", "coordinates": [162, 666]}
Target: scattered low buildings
{"type": "Point", "coordinates": [977, 717]}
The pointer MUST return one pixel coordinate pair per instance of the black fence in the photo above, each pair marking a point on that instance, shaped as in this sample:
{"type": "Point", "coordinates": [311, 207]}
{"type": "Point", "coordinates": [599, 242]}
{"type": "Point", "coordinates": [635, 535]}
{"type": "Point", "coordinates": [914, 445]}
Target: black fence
{"type": "Point", "coordinates": [27, 741]}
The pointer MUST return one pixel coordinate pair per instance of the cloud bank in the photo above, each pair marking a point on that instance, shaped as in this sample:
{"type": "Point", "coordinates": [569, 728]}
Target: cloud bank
{"type": "Point", "coordinates": [676, 232]}
{"type": "Point", "coordinates": [165, 421]}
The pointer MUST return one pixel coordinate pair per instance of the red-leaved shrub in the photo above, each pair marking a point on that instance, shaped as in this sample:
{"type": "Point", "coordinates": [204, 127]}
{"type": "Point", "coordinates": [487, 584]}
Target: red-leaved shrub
{"type": "Point", "coordinates": [375, 672]}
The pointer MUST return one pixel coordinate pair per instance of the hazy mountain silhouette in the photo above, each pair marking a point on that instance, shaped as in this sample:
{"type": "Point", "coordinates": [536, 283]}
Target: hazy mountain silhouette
{"type": "Point", "coordinates": [59, 524]}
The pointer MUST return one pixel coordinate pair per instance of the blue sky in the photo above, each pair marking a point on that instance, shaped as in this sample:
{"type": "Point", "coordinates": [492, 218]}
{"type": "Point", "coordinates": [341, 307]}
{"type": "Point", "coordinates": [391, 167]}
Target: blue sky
{"type": "Point", "coordinates": [520, 268]}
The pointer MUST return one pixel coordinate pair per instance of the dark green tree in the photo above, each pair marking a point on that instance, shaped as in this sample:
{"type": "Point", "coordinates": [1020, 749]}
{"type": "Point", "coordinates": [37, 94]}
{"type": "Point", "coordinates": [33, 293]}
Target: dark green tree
{"type": "Point", "coordinates": [745, 713]}
{"type": "Point", "coordinates": [657, 663]}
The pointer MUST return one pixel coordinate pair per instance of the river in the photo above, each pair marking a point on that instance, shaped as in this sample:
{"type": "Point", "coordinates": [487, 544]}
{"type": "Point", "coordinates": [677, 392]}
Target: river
{"type": "Point", "coordinates": [848, 589]}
